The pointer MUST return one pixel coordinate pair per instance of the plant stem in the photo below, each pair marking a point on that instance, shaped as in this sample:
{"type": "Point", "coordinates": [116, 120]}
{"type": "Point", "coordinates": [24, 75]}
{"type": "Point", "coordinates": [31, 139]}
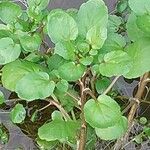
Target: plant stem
{"type": "Point", "coordinates": [138, 96]}
{"type": "Point", "coordinates": [83, 131]}
{"type": "Point", "coordinates": [88, 91]}
{"type": "Point", "coordinates": [61, 109]}
{"type": "Point", "coordinates": [111, 85]}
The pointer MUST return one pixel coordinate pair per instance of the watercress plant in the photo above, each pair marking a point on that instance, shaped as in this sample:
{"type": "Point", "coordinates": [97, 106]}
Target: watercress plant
{"type": "Point", "coordinates": [89, 49]}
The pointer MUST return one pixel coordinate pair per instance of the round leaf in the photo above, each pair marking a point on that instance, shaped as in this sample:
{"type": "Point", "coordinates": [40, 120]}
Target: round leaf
{"type": "Point", "coordinates": [35, 85]}
{"type": "Point", "coordinates": [139, 52]}
{"type": "Point", "coordinates": [9, 51]}
{"type": "Point", "coordinates": [133, 30]}
{"type": "Point", "coordinates": [9, 12]}
{"type": "Point", "coordinates": [96, 36]}
{"type": "Point", "coordinates": [122, 5]}
{"type": "Point", "coordinates": [140, 7]}
{"type": "Point", "coordinates": [30, 43]}
{"type": "Point", "coordinates": [58, 130]}
{"type": "Point", "coordinates": [113, 132]}
{"type": "Point", "coordinates": [18, 114]}
{"type": "Point", "coordinates": [14, 71]}
{"type": "Point", "coordinates": [61, 26]}
{"type": "Point", "coordinates": [71, 72]}
{"type": "Point", "coordinates": [103, 113]}
{"type": "Point", "coordinates": [115, 63]}
{"type": "Point", "coordinates": [87, 19]}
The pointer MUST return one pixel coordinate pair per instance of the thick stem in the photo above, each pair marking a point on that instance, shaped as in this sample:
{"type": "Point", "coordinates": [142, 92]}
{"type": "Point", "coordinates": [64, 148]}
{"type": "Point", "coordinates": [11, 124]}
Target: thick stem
{"type": "Point", "coordinates": [138, 96]}
{"type": "Point", "coordinates": [83, 130]}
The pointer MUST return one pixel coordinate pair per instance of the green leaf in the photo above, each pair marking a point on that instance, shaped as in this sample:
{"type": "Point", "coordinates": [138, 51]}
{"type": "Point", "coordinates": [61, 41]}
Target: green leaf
{"type": "Point", "coordinates": [102, 84]}
{"type": "Point", "coordinates": [61, 26]}
{"type": "Point", "coordinates": [139, 52]}
{"type": "Point", "coordinates": [66, 100]}
{"type": "Point", "coordinates": [138, 139]}
{"type": "Point", "coordinates": [14, 71]}
{"type": "Point", "coordinates": [72, 12]}
{"type": "Point", "coordinates": [45, 145]}
{"type": "Point", "coordinates": [114, 42]}
{"type": "Point", "coordinates": [146, 130]}
{"type": "Point", "coordinates": [62, 86]}
{"type": "Point", "coordinates": [58, 130]}
{"type": "Point", "coordinates": [37, 5]}
{"type": "Point", "coordinates": [18, 113]}
{"type": "Point", "coordinates": [122, 6]}
{"type": "Point", "coordinates": [88, 20]}
{"type": "Point", "coordinates": [70, 71]}
{"type": "Point", "coordinates": [93, 52]}
{"type": "Point", "coordinates": [30, 43]}
{"type": "Point", "coordinates": [34, 57]}
{"type": "Point", "coordinates": [140, 7]}
{"type": "Point", "coordinates": [2, 98]}
{"type": "Point", "coordinates": [133, 30]}
{"type": "Point", "coordinates": [9, 12]}
{"type": "Point", "coordinates": [114, 23]}
{"type": "Point", "coordinates": [4, 31]}
{"type": "Point", "coordinates": [9, 51]}
{"type": "Point", "coordinates": [65, 50]}
{"type": "Point", "coordinates": [103, 113]}
{"type": "Point", "coordinates": [56, 115]}
{"type": "Point", "coordinates": [83, 47]}
{"type": "Point", "coordinates": [34, 85]}
{"type": "Point", "coordinates": [93, 25]}
{"type": "Point", "coordinates": [113, 132]}
{"type": "Point", "coordinates": [86, 60]}
{"type": "Point", "coordinates": [143, 120]}
{"type": "Point", "coordinates": [115, 63]}
{"type": "Point", "coordinates": [143, 23]}
{"type": "Point", "coordinates": [34, 116]}
{"type": "Point", "coordinates": [55, 61]}
{"type": "Point", "coordinates": [96, 36]}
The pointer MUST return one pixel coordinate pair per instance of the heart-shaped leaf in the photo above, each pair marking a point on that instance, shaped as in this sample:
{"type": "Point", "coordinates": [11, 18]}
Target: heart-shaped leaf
{"type": "Point", "coordinates": [61, 26]}
{"type": "Point", "coordinates": [58, 130]}
{"type": "Point", "coordinates": [9, 12]}
{"type": "Point", "coordinates": [34, 85]}
{"type": "Point", "coordinates": [30, 43]}
{"type": "Point", "coordinates": [71, 72]}
{"type": "Point", "coordinates": [103, 113]}
{"type": "Point", "coordinates": [14, 71]}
